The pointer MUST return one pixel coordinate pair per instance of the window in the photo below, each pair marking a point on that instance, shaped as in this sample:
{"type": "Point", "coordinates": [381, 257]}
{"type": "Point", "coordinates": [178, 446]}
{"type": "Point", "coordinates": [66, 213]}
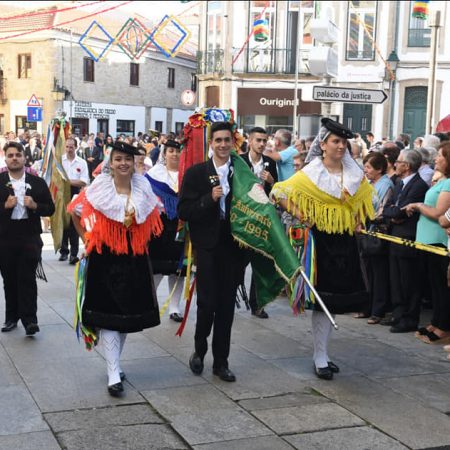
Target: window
{"type": "Point", "coordinates": [193, 82]}
{"type": "Point", "coordinates": [361, 20]}
{"type": "Point", "coordinates": [179, 127]}
{"type": "Point", "coordinates": [159, 126]}
{"type": "Point", "coordinates": [419, 35]}
{"type": "Point", "coordinates": [134, 74]}
{"type": "Point", "coordinates": [88, 70]}
{"type": "Point", "coordinates": [24, 65]}
{"type": "Point", "coordinates": [171, 78]}
{"type": "Point", "coordinates": [125, 127]}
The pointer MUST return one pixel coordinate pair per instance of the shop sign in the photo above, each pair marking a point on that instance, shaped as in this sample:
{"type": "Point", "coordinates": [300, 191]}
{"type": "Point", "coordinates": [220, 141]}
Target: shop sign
{"type": "Point", "coordinates": [88, 110]}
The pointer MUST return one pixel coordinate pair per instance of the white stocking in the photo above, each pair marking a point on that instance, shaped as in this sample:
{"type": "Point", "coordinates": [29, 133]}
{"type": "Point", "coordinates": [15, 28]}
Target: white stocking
{"type": "Point", "coordinates": [111, 343]}
{"type": "Point", "coordinates": [174, 305]}
{"type": "Point", "coordinates": [321, 329]}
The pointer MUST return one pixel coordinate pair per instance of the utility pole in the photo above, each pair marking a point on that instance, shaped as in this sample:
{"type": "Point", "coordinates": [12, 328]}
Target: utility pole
{"type": "Point", "coordinates": [435, 24]}
{"type": "Point", "coordinates": [297, 68]}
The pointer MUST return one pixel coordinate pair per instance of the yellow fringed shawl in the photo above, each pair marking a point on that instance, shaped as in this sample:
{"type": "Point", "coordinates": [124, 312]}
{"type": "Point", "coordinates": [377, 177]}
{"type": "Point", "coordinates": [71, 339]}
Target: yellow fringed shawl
{"type": "Point", "coordinates": [327, 213]}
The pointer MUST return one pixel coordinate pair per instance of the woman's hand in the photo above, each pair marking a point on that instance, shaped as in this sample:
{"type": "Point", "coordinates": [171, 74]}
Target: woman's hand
{"type": "Point", "coordinates": [412, 208]}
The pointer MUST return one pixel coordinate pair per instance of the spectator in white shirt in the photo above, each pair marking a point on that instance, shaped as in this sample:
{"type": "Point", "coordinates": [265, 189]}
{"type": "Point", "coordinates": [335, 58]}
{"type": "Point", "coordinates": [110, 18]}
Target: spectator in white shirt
{"type": "Point", "coordinates": [77, 171]}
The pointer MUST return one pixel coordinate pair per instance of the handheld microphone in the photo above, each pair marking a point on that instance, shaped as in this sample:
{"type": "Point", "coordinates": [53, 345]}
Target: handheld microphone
{"type": "Point", "coordinates": [214, 180]}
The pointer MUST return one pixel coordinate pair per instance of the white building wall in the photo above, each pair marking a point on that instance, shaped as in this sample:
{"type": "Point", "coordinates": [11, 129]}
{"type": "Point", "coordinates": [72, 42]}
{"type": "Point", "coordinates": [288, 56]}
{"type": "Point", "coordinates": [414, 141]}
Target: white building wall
{"type": "Point", "coordinates": [158, 115]}
{"type": "Point", "coordinates": [180, 115]}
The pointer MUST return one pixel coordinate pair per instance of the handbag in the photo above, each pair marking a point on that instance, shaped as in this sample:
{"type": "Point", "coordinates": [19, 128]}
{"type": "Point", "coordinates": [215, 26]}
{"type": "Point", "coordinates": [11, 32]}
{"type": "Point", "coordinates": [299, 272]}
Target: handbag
{"type": "Point", "coordinates": [371, 245]}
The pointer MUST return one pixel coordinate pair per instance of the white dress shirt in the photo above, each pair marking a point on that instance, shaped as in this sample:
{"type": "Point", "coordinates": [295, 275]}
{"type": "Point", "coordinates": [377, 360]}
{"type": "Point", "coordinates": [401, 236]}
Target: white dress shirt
{"type": "Point", "coordinates": [258, 167]}
{"type": "Point", "coordinates": [77, 169]}
{"type": "Point", "coordinates": [223, 171]}
{"type": "Point", "coordinates": [20, 211]}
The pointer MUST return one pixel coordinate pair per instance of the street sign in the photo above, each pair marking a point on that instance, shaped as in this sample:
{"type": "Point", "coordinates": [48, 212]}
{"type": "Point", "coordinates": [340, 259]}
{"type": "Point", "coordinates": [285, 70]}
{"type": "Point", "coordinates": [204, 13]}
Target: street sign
{"type": "Point", "coordinates": [34, 114]}
{"type": "Point", "coordinates": [33, 101]}
{"type": "Point", "coordinates": [348, 95]}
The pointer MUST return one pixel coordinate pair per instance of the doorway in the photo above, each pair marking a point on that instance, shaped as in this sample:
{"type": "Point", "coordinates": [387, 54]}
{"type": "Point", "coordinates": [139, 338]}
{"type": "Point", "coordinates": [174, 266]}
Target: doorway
{"type": "Point", "coordinates": [103, 126]}
{"type": "Point", "coordinates": [415, 111]}
{"type": "Point", "coordinates": [358, 118]}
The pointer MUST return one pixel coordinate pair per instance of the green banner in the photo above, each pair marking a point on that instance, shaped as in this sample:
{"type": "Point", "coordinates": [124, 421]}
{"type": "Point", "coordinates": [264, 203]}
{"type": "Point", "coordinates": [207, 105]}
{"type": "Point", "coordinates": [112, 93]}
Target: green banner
{"type": "Point", "coordinates": [256, 225]}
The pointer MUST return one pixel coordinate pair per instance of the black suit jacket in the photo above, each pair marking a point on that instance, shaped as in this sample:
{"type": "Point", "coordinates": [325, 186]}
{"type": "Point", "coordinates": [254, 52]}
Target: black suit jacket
{"type": "Point", "coordinates": [31, 227]}
{"type": "Point", "coordinates": [269, 164]}
{"type": "Point", "coordinates": [400, 224]}
{"type": "Point", "coordinates": [197, 207]}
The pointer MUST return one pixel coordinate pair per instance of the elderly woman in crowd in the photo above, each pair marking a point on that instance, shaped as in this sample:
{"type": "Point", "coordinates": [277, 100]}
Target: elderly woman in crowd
{"type": "Point", "coordinates": [437, 202]}
{"type": "Point", "coordinates": [375, 256]}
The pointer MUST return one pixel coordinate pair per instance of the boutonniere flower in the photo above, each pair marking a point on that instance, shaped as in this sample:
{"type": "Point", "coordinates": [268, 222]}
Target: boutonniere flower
{"type": "Point", "coordinates": [27, 187]}
{"type": "Point", "coordinates": [9, 185]}
{"type": "Point", "coordinates": [78, 169]}
{"type": "Point", "coordinates": [266, 165]}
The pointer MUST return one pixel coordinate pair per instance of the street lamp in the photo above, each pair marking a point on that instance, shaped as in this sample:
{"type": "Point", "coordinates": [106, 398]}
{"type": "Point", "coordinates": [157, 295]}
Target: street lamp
{"type": "Point", "coordinates": [391, 67]}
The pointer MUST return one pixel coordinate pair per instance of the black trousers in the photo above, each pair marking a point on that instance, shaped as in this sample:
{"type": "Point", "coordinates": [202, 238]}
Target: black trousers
{"type": "Point", "coordinates": [18, 265]}
{"type": "Point", "coordinates": [437, 267]}
{"type": "Point", "coordinates": [405, 279]}
{"type": "Point", "coordinates": [70, 235]}
{"type": "Point", "coordinates": [377, 269]}
{"type": "Point", "coordinates": [216, 298]}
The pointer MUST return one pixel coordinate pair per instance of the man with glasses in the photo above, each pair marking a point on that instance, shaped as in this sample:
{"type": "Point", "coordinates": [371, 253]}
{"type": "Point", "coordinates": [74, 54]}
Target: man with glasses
{"type": "Point", "coordinates": [404, 268]}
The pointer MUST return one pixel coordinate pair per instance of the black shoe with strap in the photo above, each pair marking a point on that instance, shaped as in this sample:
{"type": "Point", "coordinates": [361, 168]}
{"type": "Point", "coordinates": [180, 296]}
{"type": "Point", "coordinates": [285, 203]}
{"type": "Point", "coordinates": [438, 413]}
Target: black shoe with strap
{"type": "Point", "coordinates": [224, 373]}
{"type": "Point", "coordinates": [325, 373]}
{"type": "Point", "coordinates": [260, 313]}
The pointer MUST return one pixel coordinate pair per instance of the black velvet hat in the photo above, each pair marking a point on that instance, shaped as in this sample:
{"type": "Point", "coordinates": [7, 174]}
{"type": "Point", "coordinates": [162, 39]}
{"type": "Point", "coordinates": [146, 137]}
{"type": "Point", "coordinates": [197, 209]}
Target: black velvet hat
{"type": "Point", "coordinates": [173, 144]}
{"type": "Point", "coordinates": [336, 128]}
{"type": "Point", "coordinates": [125, 148]}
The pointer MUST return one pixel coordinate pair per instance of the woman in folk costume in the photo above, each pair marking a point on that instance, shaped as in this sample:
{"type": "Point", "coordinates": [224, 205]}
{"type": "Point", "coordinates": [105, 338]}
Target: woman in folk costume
{"type": "Point", "coordinates": [116, 217]}
{"type": "Point", "coordinates": [165, 251]}
{"type": "Point", "coordinates": [334, 198]}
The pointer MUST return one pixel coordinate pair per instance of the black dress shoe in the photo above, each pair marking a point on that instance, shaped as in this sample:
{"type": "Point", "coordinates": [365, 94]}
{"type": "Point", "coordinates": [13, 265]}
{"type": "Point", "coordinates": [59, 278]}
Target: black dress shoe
{"type": "Point", "coordinates": [31, 329]}
{"type": "Point", "coordinates": [8, 326]}
{"type": "Point", "coordinates": [122, 375]}
{"type": "Point", "coordinates": [73, 260]}
{"type": "Point", "coordinates": [116, 389]}
{"type": "Point", "coordinates": [260, 313]}
{"type": "Point", "coordinates": [333, 367]}
{"type": "Point", "coordinates": [325, 373]}
{"type": "Point", "coordinates": [402, 328]}
{"type": "Point", "coordinates": [176, 317]}
{"type": "Point", "coordinates": [196, 364]}
{"type": "Point", "coordinates": [224, 373]}
{"type": "Point", "coordinates": [389, 322]}
{"type": "Point", "coordinates": [63, 257]}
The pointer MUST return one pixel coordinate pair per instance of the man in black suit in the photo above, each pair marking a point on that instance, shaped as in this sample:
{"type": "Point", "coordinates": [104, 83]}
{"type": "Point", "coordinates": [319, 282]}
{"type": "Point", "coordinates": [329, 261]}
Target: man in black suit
{"type": "Point", "coordinates": [405, 276]}
{"type": "Point", "coordinates": [265, 169]}
{"type": "Point", "coordinates": [204, 203]}
{"type": "Point", "coordinates": [24, 199]}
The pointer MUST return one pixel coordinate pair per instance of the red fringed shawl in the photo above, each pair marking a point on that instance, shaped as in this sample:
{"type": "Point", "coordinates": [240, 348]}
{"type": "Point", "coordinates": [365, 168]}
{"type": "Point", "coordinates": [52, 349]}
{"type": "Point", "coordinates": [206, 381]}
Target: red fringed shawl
{"type": "Point", "coordinates": [100, 230]}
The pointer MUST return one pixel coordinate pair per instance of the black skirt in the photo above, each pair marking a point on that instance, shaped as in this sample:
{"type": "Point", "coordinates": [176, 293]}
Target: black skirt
{"type": "Point", "coordinates": [166, 253]}
{"type": "Point", "coordinates": [340, 281]}
{"type": "Point", "coordinates": [120, 293]}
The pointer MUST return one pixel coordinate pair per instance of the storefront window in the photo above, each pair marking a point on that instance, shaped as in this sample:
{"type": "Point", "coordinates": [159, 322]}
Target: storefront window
{"type": "Point", "coordinates": [22, 124]}
{"type": "Point", "coordinates": [126, 127]}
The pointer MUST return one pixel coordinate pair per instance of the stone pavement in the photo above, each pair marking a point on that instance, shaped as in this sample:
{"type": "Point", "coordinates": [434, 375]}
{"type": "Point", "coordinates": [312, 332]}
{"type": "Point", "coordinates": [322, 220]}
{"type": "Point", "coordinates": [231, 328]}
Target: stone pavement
{"type": "Point", "coordinates": [393, 391]}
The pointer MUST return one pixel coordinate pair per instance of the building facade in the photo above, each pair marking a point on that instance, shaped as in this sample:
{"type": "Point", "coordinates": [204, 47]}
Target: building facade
{"type": "Point", "coordinates": [115, 95]}
{"type": "Point", "coordinates": [257, 78]}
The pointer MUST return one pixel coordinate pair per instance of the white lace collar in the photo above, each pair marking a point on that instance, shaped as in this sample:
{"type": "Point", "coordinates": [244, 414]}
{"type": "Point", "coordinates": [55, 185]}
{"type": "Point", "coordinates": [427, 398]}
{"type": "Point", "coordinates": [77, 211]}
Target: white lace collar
{"type": "Point", "coordinates": [102, 195]}
{"type": "Point", "coordinates": [328, 183]}
{"type": "Point", "coordinates": [159, 172]}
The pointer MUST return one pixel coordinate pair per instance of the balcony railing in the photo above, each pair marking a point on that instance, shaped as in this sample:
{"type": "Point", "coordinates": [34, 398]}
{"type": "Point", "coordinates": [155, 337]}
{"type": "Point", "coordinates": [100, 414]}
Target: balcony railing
{"type": "Point", "coordinates": [355, 55]}
{"type": "Point", "coordinates": [419, 37]}
{"type": "Point", "coordinates": [270, 61]}
{"type": "Point", "coordinates": [3, 96]}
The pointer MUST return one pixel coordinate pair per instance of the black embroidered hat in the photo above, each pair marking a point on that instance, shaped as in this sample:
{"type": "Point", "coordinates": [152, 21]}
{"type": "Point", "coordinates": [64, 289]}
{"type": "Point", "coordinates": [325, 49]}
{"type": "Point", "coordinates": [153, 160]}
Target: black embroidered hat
{"type": "Point", "coordinates": [173, 144]}
{"type": "Point", "coordinates": [336, 128]}
{"type": "Point", "coordinates": [125, 148]}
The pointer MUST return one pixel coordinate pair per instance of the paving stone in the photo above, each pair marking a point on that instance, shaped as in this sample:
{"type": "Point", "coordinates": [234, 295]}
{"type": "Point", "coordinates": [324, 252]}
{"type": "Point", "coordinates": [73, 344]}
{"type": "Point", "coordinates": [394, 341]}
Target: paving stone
{"type": "Point", "coordinates": [102, 417]}
{"type": "Point", "coordinates": [430, 390]}
{"type": "Point", "coordinates": [396, 415]}
{"type": "Point", "coordinates": [68, 384]}
{"type": "Point", "coordinates": [18, 412]}
{"type": "Point", "coordinates": [282, 401]}
{"type": "Point", "coordinates": [300, 419]}
{"type": "Point", "coordinates": [187, 399]}
{"type": "Point", "coordinates": [136, 437]}
{"type": "Point", "coordinates": [29, 441]}
{"type": "Point", "coordinates": [257, 443]}
{"type": "Point", "coordinates": [47, 316]}
{"type": "Point", "coordinates": [216, 425]}
{"type": "Point", "coordinates": [360, 438]}
{"type": "Point", "coordinates": [255, 378]}
{"type": "Point", "coordinates": [159, 373]}
{"type": "Point", "coordinates": [139, 346]}
{"type": "Point", "coordinates": [52, 342]}
{"type": "Point", "coordinates": [379, 360]}
{"type": "Point", "coordinates": [8, 373]}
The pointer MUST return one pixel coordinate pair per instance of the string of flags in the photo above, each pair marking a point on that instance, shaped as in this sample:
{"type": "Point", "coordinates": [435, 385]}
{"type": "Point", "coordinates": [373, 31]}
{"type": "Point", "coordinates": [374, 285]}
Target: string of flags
{"type": "Point", "coordinates": [134, 38]}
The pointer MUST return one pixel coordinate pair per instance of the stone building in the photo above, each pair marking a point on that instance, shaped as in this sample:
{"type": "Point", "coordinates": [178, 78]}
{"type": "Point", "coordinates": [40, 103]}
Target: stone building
{"type": "Point", "coordinates": [41, 56]}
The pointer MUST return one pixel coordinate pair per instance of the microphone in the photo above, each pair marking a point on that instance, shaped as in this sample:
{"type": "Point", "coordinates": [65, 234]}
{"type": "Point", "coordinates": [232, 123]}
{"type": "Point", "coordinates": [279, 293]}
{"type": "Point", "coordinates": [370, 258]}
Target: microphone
{"type": "Point", "coordinates": [214, 180]}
